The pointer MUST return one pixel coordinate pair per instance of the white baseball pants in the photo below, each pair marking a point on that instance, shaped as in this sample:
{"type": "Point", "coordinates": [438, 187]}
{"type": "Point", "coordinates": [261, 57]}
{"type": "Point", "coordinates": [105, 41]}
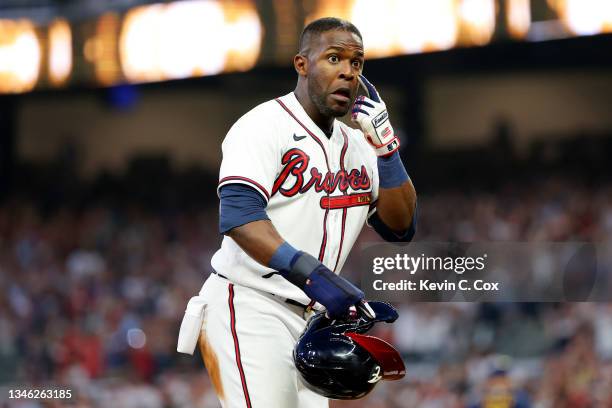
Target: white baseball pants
{"type": "Point", "coordinates": [247, 341]}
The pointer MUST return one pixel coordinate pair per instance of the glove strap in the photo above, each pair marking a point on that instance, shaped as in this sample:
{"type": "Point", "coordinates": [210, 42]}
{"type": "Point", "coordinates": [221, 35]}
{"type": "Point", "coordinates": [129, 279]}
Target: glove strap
{"type": "Point", "coordinates": [387, 149]}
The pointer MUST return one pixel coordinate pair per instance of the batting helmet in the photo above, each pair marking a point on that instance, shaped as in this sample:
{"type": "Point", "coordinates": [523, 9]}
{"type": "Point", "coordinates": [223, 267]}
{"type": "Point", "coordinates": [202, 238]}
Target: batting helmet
{"type": "Point", "coordinates": [337, 360]}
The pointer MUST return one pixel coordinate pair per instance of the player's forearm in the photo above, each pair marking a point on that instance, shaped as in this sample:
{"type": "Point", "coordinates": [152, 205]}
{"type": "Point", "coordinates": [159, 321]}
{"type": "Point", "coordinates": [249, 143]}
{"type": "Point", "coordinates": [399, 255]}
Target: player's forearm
{"type": "Point", "coordinates": [259, 239]}
{"type": "Point", "coordinates": [262, 242]}
{"type": "Point", "coordinates": [396, 206]}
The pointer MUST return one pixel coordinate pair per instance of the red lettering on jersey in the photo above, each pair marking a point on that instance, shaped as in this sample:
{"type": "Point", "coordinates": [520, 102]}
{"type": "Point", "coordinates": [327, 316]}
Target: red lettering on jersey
{"type": "Point", "coordinates": [296, 162]}
{"type": "Point", "coordinates": [315, 179]}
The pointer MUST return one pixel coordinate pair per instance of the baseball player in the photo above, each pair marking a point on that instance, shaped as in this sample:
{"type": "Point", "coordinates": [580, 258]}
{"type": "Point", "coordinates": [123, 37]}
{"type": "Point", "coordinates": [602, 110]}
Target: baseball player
{"type": "Point", "coordinates": [296, 186]}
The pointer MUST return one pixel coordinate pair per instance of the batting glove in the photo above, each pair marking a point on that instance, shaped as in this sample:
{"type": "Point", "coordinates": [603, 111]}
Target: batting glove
{"type": "Point", "coordinates": [321, 284]}
{"type": "Point", "coordinates": [371, 115]}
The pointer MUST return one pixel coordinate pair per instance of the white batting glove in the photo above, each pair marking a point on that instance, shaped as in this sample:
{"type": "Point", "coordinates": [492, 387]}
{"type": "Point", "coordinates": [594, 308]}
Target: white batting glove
{"type": "Point", "coordinates": [370, 114]}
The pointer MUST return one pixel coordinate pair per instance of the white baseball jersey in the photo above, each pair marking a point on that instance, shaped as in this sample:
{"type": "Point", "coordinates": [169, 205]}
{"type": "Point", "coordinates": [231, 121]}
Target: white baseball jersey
{"type": "Point", "coordinates": [319, 190]}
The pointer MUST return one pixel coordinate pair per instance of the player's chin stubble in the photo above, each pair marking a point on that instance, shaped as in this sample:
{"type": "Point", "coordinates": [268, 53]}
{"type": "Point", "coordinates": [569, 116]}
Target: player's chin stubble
{"type": "Point", "coordinates": [318, 98]}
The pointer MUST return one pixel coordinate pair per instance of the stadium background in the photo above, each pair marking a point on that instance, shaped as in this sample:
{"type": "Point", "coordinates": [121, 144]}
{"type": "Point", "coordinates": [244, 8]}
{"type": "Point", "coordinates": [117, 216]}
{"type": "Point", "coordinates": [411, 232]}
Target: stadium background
{"type": "Point", "coordinates": [111, 118]}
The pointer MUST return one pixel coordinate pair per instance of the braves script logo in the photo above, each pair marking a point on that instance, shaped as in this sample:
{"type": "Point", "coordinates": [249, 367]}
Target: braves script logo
{"type": "Point", "coordinates": [296, 163]}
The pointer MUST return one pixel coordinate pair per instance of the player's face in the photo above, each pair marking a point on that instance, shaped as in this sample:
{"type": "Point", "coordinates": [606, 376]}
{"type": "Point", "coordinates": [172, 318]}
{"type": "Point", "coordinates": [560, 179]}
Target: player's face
{"type": "Point", "coordinates": [333, 72]}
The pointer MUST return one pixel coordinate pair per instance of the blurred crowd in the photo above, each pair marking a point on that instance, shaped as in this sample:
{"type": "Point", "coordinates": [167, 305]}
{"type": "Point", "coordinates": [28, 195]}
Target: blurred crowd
{"type": "Point", "coordinates": [92, 298]}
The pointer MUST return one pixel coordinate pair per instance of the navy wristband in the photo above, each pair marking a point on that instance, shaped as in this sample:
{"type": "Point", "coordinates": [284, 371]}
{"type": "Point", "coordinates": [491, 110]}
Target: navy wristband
{"type": "Point", "coordinates": [391, 171]}
{"type": "Point", "coordinates": [283, 258]}
{"type": "Point", "coordinates": [316, 280]}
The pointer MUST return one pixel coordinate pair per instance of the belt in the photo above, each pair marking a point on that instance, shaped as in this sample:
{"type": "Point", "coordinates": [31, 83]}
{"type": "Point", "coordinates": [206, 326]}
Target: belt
{"type": "Point", "coordinates": [291, 302]}
{"type": "Point", "coordinates": [296, 303]}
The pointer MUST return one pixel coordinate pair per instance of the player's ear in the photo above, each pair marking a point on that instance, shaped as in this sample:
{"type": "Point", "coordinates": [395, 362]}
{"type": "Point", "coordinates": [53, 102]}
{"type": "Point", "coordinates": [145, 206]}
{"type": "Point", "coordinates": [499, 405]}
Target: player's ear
{"type": "Point", "coordinates": [300, 63]}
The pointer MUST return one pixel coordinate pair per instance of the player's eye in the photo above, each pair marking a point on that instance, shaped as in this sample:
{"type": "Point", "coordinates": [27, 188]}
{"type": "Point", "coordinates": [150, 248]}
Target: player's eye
{"type": "Point", "coordinates": [357, 64]}
{"type": "Point", "coordinates": [334, 59]}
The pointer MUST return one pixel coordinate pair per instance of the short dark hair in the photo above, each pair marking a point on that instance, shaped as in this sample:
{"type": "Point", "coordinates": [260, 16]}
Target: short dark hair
{"type": "Point", "coordinates": [323, 25]}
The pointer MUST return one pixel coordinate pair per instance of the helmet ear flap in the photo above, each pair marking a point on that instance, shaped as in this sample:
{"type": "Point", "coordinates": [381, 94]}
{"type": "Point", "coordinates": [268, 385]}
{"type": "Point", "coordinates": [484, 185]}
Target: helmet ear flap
{"type": "Point", "coordinates": [385, 354]}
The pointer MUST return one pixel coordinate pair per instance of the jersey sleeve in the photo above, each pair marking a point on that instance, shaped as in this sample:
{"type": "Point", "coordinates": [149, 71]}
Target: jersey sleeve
{"type": "Point", "coordinates": [251, 153]}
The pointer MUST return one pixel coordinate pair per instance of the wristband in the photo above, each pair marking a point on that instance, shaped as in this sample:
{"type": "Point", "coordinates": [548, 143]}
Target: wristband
{"type": "Point", "coordinates": [293, 265]}
{"type": "Point", "coordinates": [282, 258]}
{"type": "Point", "coordinates": [391, 171]}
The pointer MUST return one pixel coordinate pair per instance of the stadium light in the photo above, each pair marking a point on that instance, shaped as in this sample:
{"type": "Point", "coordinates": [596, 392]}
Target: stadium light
{"type": "Point", "coordinates": [138, 45]}
{"type": "Point", "coordinates": [191, 38]}
{"type": "Point", "coordinates": [20, 56]}
{"type": "Point", "coordinates": [379, 40]}
{"type": "Point", "coordinates": [244, 33]}
{"type": "Point", "coordinates": [518, 17]}
{"type": "Point", "coordinates": [396, 27]}
{"type": "Point", "coordinates": [477, 21]}
{"type": "Point", "coordinates": [585, 17]}
{"type": "Point", "coordinates": [100, 49]}
{"type": "Point", "coordinates": [426, 26]}
{"type": "Point", "coordinates": [60, 52]}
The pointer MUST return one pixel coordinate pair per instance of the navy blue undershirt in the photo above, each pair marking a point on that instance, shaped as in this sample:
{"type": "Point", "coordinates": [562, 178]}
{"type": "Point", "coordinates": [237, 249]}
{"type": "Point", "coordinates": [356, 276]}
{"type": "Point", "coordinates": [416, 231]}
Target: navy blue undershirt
{"type": "Point", "coordinates": [239, 205]}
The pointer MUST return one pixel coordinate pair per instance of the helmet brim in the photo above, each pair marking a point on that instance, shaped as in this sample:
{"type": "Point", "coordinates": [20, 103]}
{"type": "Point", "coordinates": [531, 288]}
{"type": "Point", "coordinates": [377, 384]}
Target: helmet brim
{"type": "Point", "coordinates": [385, 354]}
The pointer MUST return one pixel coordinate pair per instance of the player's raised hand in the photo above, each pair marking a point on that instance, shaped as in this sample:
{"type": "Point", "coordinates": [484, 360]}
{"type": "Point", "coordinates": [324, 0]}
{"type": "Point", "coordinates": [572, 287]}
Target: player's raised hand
{"type": "Point", "coordinates": [370, 114]}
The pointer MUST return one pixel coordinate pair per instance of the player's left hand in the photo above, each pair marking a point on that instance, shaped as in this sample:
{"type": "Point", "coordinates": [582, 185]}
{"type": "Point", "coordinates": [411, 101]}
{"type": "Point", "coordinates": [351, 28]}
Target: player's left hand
{"type": "Point", "coordinates": [334, 292]}
{"type": "Point", "coordinates": [371, 115]}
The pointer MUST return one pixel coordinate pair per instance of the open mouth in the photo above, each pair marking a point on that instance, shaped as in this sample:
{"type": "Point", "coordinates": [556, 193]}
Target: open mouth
{"type": "Point", "coordinates": [342, 93]}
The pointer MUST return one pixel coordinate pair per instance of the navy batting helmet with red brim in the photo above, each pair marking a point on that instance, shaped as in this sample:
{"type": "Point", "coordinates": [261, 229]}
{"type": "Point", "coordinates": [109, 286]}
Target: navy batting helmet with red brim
{"type": "Point", "coordinates": [337, 360]}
